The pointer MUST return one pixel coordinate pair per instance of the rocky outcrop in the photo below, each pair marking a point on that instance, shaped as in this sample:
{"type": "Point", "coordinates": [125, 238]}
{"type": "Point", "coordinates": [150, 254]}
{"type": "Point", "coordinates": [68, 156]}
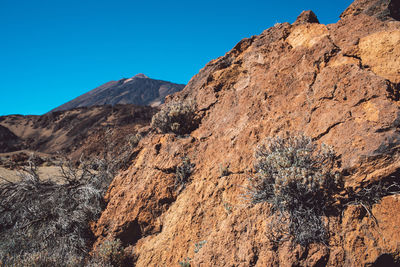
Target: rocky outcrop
{"type": "Point", "coordinates": [381, 9]}
{"type": "Point", "coordinates": [138, 90]}
{"type": "Point", "coordinates": [306, 17]}
{"type": "Point", "coordinates": [338, 84]}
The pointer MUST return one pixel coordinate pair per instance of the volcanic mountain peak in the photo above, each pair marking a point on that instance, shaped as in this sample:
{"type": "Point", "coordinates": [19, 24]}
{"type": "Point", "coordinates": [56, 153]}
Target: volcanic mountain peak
{"type": "Point", "coordinates": [138, 90]}
{"type": "Point", "coordinates": [141, 76]}
{"type": "Point", "coordinates": [137, 76]}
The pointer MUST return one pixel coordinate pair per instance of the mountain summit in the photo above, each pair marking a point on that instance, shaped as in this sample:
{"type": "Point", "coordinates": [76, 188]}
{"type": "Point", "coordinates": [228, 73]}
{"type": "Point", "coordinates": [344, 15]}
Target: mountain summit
{"type": "Point", "coordinates": [138, 90]}
{"type": "Point", "coordinates": [140, 75]}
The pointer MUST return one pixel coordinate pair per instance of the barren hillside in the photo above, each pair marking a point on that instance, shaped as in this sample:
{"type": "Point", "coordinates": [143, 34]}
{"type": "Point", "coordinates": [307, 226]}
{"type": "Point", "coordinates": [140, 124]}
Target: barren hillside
{"type": "Point", "coordinates": [73, 131]}
{"type": "Point", "coordinates": [138, 90]}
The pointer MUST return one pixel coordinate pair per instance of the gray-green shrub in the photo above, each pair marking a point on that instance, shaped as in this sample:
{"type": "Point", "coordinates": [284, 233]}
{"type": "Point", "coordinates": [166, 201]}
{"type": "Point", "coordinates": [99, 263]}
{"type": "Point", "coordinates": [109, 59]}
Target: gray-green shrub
{"type": "Point", "coordinates": [110, 253]}
{"type": "Point", "coordinates": [183, 172]}
{"type": "Point", "coordinates": [134, 139]}
{"type": "Point", "coordinates": [298, 179]}
{"type": "Point", "coordinates": [176, 117]}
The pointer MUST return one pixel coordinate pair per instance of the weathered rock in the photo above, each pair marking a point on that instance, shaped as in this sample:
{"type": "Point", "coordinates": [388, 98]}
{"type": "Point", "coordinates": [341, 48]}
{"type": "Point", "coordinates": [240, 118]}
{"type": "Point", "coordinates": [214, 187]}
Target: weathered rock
{"type": "Point", "coordinates": [337, 84]}
{"type": "Point", "coordinates": [381, 9]}
{"type": "Point", "coordinates": [381, 52]}
{"type": "Point", "coordinates": [306, 17]}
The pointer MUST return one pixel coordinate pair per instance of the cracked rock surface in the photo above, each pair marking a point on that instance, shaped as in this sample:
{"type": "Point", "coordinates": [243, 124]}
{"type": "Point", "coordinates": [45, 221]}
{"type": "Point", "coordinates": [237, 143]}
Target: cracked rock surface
{"type": "Point", "coordinates": [338, 84]}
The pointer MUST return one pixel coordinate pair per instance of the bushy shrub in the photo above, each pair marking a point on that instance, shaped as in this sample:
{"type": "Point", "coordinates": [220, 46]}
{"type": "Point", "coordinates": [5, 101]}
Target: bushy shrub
{"type": "Point", "coordinates": [176, 117]}
{"type": "Point", "coordinates": [298, 179]}
{"type": "Point", "coordinates": [44, 223]}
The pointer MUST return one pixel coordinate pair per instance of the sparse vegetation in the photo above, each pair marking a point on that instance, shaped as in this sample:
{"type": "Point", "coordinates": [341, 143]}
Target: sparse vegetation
{"type": "Point", "coordinates": [134, 139]}
{"type": "Point", "coordinates": [176, 117]}
{"type": "Point", "coordinates": [228, 208]}
{"type": "Point", "coordinates": [224, 170]}
{"type": "Point", "coordinates": [42, 259]}
{"type": "Point", "coordinates": [183, 173]}
{"type": "Point", "coordinates": [117, 157]}
{"type": "Point", "coordinates": [185, 262]}
{"type": "Point", "coordinates": [110, 253]}
{"type": "Point", "coordinates": [370, 195]}
{"type": "Point", "coordinates": [46, 223]}
{"type": "Point", "coordinates": [199, 245]}
{"type": "Point", "coordinates": [298, 180]}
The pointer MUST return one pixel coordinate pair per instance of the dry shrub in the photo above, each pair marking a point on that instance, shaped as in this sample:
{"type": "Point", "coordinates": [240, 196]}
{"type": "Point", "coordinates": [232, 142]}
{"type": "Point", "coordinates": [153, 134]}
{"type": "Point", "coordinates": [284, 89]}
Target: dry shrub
{"type": "Point", "coordinates": [176, 117]}
{"type": "Point", "coordinates": [182, 173]}
{"type": "Point", "coordinates": [110, 253]}
{"type": "Point", "coordinates": [134, 139]}
{"type": "Point", "coordinates": [298, 180]}
{"type": "Point", "coordinates": [303, 186]}
{"type": "Point", "coordinates": [372, 194]}
{"type": "Point", "coordinates": [44, 223]}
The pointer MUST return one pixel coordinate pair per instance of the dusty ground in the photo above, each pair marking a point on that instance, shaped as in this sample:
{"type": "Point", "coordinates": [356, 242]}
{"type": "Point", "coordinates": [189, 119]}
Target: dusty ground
{"type": "Point", "coordinates": [45, 173]}
{"type": "Point", "coordinates": [10, 175]}
{"type": "Point", "coordinates": [49, 169]}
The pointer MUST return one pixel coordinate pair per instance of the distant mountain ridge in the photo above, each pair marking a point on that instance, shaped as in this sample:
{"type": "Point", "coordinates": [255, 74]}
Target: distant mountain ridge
{"type": "Point", "coordinates": [67, 131]}
{"type": "Point", "coordinates": [138, 90]}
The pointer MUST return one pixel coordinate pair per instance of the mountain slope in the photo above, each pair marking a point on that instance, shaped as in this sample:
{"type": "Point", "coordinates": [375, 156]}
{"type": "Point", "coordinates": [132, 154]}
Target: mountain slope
{"type": "Point", "coordinates": [338, 84]}
{"type": "Point", "coordinates": [70, 131]}
{"type": "Point", "coordinates": [8, 140]}
{"type": "Point", "coordinates": [138, 90]}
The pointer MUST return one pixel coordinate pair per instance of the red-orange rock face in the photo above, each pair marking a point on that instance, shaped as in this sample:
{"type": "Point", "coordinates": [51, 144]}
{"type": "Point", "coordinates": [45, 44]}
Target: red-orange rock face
{"type": "Point", "coordinates": [338, 84]}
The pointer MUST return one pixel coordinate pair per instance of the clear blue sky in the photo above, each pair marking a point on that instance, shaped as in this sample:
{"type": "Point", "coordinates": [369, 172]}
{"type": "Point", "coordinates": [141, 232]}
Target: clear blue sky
{"type": "Point", "coordinates": [52, 51]}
